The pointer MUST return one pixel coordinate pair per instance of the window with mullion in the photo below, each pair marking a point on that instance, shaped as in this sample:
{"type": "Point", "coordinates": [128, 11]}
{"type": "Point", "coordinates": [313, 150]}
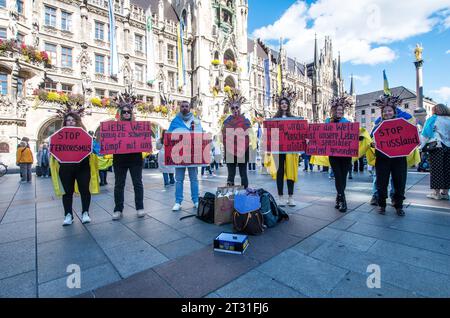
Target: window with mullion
{"type": "Point", "coordinates": [66, 57]}
{"type": "Point", "coordinates": [3, 84]}
{"type": "Point", "coordinates": [50, 16]}
{"type": "Point", "coordinates": [20, 87]}
{"type": "Point", "coordinates": [139, 43]}
{"type": "Point", "coordinates": [19, 4]}
{"type": "Point", "coordinates": [66, 21]}
{"type": "Point", "coordinates": [51, 50]}
{"type": "Point", "coordinates": [99, 64]}
{"type": "Point", "coordinates": [99, 31]}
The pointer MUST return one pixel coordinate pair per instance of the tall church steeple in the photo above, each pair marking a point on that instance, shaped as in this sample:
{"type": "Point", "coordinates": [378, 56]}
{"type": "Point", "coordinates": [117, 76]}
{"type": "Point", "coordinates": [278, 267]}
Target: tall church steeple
{"type": "Point", "coordinates": [352, 88]}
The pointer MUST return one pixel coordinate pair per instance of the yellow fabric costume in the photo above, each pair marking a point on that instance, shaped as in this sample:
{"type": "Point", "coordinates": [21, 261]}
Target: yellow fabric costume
{"type": "Point", "coordinates": [94, 187]}
{"type": "Point", "coordinates": [104, 162]}
{"type": "Point", "coordinates": [290, 166]}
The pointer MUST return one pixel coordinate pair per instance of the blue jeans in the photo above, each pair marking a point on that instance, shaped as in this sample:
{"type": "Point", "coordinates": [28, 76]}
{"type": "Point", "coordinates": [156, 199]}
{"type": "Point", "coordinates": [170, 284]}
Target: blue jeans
{"type": "Point", "coordinates": [179, 177]}
{"type": "Point", "coordinates": [168, 176]}
{"type": "Point", "coordinates": [374, 186]}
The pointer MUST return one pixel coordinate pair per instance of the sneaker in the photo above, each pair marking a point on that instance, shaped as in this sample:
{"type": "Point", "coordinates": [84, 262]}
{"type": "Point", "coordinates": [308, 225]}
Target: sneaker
{"type": "Point", "coordinates": [176, 207]}
{"type": "Point", "coordinates": [117, 215]}
{"type": "Point", "coordinates": [85, 218]}
{"type": "Point", "coordinates": [68, 220]}
{"type": "Point", "coordinates": [140, 213]}
{"type": "Point", "coordinates": [290, 202]}
{"type": "Point", "coordinates": [280, 200]}
{"type": "Point", "coordinates": [382, 210]}
{"type": "Point", "coordinates": [444, 197]}
{"type": "Point", "coordinates": [434, 196]}
{"type": "Point", "coordinates": [196, 205]}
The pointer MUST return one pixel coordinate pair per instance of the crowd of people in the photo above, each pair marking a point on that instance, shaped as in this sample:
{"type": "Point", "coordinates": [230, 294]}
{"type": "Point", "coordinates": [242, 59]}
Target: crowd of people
{"type": "Point", "coordinates": [87, 176]}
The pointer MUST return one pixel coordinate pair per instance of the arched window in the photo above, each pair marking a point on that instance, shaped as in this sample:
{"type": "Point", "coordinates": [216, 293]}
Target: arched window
{"type": "Point", "coordinates": [48, 129]}
{"type": "Point", "coordinates": [229, 55]}
{"type": "Point", "coordinates": [184, 19]}
{"type": "Point", "coordinates": [229, 81]}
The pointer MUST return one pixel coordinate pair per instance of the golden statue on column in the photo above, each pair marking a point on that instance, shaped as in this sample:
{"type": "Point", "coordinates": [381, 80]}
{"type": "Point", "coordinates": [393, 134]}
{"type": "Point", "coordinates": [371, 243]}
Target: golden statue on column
{"type": "Point", "coordinates": [418, 52]}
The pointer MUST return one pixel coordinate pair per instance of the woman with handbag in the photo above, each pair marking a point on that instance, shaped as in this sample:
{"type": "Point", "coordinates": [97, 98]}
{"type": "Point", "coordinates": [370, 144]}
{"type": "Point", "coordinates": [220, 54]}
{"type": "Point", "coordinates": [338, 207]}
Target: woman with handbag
{"type": "Point", "coordinates": [435, 139]}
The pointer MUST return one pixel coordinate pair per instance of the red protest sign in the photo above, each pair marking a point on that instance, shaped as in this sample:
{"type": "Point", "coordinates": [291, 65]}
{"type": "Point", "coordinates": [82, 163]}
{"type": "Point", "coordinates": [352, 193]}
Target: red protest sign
{"type": "Point", "coordinates": [333, 139]}
{"type": "Point", "coordinates": [235, 134]}
{"type": "Point", "coordinates": [285, 135]}
{"type": "Point", "coordinates": [187, 149]}
{"type": "Point", "coordinates": [396, 137]}
{"type": "Point", "coordinates": [70, 144]}
{"type": "Point", "coordinates": [117, 137]}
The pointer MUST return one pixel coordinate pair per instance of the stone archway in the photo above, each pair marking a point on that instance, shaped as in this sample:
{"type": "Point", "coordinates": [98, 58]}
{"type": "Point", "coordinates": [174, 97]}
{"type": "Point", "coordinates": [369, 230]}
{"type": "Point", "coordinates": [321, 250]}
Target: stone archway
{"type": "Point", "coordinates": [47, 129]}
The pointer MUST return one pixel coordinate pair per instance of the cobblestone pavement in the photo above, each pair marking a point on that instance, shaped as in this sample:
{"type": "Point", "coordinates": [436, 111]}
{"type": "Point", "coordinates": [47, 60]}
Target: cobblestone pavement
{"type": "Point", "coordinates": [319, 252]}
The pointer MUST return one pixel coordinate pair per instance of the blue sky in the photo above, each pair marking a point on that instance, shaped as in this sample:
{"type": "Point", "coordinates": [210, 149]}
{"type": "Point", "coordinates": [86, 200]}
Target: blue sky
{"type": "Point", "coordinates": [388, 46]}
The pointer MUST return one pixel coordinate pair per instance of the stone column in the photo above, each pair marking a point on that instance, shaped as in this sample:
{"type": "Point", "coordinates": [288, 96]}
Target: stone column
{"type": "Point", "coordinates": [420, 113]}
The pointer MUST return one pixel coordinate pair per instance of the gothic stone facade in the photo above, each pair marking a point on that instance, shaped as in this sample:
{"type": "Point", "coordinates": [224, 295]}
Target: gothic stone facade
{"type": "Point", "coordinates": [75, 35]}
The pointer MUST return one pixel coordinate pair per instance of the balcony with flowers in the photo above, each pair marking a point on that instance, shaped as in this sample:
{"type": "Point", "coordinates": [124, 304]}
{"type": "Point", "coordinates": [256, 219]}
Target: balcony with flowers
{"type": "Point", "coordinates": [51, 97]}
{"type": "Point", "coordinates": [26, 53]}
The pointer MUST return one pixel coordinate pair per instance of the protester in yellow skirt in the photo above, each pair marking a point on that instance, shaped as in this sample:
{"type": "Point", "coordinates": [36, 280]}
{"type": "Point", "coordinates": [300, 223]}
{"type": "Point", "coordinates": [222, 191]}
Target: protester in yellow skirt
{"type": "Point", "coordinates": [81, 177]}
{"type": "Point", "coordinates": [284, 166]}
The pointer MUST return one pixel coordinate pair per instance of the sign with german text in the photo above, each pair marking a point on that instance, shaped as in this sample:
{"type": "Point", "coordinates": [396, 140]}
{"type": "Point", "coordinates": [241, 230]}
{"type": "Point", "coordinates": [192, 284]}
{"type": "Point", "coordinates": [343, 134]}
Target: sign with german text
{"type": "Point", "coordinates": [187, 149]}
{"type": "Point", "coordinates": [285, 135]}
{"type": "Point", "coordinates": [333, 139]}
{"type": "Point", "coordinates": [396, 137]}
{"type": "Point", "coordinates": [70, 144]}
{"type": "Point", "coordinates": [120, 137]}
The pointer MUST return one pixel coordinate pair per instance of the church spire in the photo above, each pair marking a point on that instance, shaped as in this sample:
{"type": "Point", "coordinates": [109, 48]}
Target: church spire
{"type": "Point", "coordinates": [339, 71]}
{"type": "Point", "coordinates": [352, 87]}
{"type": "Point", "coordinates": [316, 53]}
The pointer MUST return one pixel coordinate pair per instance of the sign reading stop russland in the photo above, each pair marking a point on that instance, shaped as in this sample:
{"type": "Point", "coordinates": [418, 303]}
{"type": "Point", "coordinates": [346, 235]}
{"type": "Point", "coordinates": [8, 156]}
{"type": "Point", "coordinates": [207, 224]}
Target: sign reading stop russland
{"type": "Point", "coordinates": [396, 137]}
{"type": "Point", "coordinates": [70, 144]}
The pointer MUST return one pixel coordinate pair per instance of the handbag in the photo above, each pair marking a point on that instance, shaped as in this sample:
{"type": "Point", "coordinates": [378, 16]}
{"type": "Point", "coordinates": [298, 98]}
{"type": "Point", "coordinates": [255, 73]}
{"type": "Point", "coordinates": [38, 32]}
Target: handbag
{"type": "Point", "coordinates": [430, 146]}
{"type": "Point", "coordinates": [247, 217]}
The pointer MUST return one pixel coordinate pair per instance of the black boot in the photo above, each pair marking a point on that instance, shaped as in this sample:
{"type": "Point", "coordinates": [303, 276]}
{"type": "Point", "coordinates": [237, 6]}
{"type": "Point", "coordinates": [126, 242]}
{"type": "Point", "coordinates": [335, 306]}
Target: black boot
{"type": "Point", "coordinates": [338, 201]}
{"type": "Point", "coordinates": [343, 205]}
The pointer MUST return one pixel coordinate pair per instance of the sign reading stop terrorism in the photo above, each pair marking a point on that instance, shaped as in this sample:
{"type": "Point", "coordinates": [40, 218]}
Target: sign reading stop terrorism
{"type": "Point", "coordinates": [70, 144]}
{"type": "Point", "coordinates": [396, 137]}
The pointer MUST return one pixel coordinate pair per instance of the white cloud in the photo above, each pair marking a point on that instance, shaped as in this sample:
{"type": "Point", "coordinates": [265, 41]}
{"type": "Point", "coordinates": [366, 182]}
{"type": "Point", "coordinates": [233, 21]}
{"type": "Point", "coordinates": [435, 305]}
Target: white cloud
{"type": "Point", "coordinates": [448, 52]}
{"type": "Point", "coordinates": [443, 94]}
{"type": "Point", "coordinates": [360, 29]}
{"type": "Point", "coordinates": [447, 22]}
{"type": "Point", "coordinates": [364, 79]}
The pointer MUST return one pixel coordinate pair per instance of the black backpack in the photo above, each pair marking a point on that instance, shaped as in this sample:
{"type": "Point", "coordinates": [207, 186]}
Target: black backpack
{"type": "Point", "coordinates": [205, 211]}
{"type": "Point", "coordinates": [270, 210]}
